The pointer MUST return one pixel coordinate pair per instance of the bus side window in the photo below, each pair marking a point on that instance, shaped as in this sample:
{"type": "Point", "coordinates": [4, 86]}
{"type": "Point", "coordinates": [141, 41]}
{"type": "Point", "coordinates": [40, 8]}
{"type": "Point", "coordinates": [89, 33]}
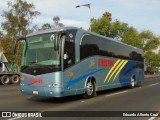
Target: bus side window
{"type": "Point", "coordinates": [88, 47]}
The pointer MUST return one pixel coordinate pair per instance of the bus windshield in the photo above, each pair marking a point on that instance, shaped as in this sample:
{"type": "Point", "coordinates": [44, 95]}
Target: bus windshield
{"type": "Point", "coordinates": [40, 51]}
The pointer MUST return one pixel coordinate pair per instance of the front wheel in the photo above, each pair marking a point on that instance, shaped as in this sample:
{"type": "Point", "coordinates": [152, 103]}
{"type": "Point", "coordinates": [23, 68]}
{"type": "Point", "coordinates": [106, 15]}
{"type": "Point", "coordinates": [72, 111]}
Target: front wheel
{"type": "Point", "coordinates": [90, 89]}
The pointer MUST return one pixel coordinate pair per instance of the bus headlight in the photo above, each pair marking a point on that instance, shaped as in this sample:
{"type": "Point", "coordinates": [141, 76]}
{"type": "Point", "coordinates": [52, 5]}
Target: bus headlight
{"type": "Point", "coordinates": [21, 84]}
{"type": "Point", "coordinates": [54, 85]}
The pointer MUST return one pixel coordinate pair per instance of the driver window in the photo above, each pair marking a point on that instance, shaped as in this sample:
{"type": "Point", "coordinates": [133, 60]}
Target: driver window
{"type": "Point", "coordinates": [69, 49]}
{"type": "Point", "coordinates": [69, 54]}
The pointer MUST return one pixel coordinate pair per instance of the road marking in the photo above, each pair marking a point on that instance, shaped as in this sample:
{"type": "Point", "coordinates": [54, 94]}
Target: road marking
{"type": "Point", "coordinates": [154, 84]}
{"type": "Point", "coordinates": [152, 118]}
{"type": "Point", "coordinates": [14, 118]}
{"type": "Point", "coordinates": [116, 93]}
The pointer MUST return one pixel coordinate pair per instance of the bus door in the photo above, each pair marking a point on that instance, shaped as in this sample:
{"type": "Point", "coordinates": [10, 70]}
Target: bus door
{"type": "Point", "coordinates": [68, 63]}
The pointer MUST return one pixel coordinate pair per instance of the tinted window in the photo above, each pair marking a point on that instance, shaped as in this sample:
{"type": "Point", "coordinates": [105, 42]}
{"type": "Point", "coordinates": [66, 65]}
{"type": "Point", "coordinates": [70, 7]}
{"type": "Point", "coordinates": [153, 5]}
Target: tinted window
{"type": "Point", "coordinates": [94, 45]}
{"type": "Point", "coordinates": [69, 49]}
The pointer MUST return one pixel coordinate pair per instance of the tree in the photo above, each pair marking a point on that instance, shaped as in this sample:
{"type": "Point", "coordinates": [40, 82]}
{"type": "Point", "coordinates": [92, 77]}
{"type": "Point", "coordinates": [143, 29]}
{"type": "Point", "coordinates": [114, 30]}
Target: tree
{"type": "Point", "coordinates": [107, 15]}
{"type": "Point", "coordinates": [150, 41]}
{"type": "Point", "coordinates": [46, 26]}
{"type": "Point", "coordinates": [18, 18]}
{"type": "Point", "coordinates": [118, 29]}
{"type": "Point", "coordinates": [152, 59]}
{"type": "Point", "coordinates": [102, 25]}
{"type": "Point", "coordinates": [131, 37]}
{"type": "Point", "coordinates": [1, 35]}
{"type": "Point", "coordinates": [145, 40]}
{"type": "Point", "coordinates": [57, 23]}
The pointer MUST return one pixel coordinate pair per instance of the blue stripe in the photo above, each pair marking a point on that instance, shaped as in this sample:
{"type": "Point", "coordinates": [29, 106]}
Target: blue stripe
{"type": "Point", "coordinates": [72, 82]}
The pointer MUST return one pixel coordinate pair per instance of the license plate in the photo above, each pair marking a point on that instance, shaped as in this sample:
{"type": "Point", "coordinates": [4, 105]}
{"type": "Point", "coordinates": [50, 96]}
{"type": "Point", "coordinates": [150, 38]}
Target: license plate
{"type": "Point", "coordinates": [35, 92]}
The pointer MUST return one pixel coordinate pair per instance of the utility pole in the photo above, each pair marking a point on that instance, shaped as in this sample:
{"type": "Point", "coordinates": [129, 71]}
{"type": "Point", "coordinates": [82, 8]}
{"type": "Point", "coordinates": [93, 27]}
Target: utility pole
{"type": "Point", "coordinates": [89, 6]}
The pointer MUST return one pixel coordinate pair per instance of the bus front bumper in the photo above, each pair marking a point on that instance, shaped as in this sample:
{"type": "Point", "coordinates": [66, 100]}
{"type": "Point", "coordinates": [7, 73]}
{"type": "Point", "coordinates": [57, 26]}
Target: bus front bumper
{"type": "Point", "coordinates": [42, 91]}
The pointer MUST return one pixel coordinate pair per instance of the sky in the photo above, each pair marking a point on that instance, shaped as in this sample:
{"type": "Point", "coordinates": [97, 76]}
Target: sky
{"type": "Point", "coordinates": [141, 14]}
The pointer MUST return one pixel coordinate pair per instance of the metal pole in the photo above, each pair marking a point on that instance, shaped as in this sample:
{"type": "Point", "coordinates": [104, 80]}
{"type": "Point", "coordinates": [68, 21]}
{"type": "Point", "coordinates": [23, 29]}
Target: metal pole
{"type": "Point", "coordinates": [90, 18]}
{"type": "Point", "coordinates": [89, 6]}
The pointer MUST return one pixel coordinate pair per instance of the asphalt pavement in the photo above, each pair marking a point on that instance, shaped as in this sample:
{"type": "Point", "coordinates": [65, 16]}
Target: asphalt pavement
{"type": "Point", "coordinates": [142, 98]}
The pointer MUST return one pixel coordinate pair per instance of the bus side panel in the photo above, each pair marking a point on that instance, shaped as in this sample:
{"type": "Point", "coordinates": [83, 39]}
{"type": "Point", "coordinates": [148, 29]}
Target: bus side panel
{"type": "Point", "coordinates": [75, 77]}
{"type": "Point", "coordinates": [126, 74]}
{"type": "Point", "coordinates": [132, 68]}
{"type": "Point", "coordinates": [106, 75]}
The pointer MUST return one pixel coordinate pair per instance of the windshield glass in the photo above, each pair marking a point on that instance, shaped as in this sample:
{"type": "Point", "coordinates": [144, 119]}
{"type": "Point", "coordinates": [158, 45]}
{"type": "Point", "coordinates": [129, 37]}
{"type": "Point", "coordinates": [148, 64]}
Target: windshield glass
{"type": "Point", "coordinates": [40, 51]}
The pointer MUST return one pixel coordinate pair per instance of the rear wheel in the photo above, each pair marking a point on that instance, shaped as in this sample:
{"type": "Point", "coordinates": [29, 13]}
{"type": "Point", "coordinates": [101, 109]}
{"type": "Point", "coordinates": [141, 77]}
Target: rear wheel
{"type": "Point", "coordinates": [5, 79]}
{"type": "Point", "coordinates": [90, 89]}
{"type": "Point", "coordinates": [133, 82]}
{"type": "Point", "coordinates": [14, 79]}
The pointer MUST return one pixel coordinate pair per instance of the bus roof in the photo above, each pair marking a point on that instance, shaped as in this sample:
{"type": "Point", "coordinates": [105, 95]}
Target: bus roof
{"type": "Point", "coordinates": [51, 30]}
{"type": "Point", "coordinates": [69, 28]}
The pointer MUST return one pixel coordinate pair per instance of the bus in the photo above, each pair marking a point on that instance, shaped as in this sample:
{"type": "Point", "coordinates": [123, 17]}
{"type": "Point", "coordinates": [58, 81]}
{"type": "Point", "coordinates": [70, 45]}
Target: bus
{"type": "Point", "coordinates": [70, 61]}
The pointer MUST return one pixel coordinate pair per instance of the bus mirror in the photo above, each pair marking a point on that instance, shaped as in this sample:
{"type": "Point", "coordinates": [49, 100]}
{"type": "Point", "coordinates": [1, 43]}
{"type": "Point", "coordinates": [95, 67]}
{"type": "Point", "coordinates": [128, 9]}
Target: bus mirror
{"type": "Point", "coordinates": [56, 45]}
{"type": "Point", "coordinates": [16, 42]}
{"type": "Point", "coordinates": [57, 40]}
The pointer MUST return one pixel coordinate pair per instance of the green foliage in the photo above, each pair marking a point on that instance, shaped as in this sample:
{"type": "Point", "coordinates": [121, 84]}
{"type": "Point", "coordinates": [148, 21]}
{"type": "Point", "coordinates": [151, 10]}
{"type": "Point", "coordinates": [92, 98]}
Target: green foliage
{"type": "Point", "coordinates": [131, 37]}
{"type": "Point", "coordinates": [150, 41]}
{"type": "Point", "coordinates": [118, 29]}
{"type": "Point", "coordinates": [17, 22]}
{"type": "Point", "coordinates": [153, 59]}
{"type": "Point", "coordinates": [46, 26]}
{"type": "Point", "coordinates": [1, 34]}
{"type": "Point", "coordinates": [102, 25]}
{"type": "Point", "coordinates": [56, 24]}
{"type": "Point", "coordinates": [18, 18]}
{"type": "Point", "coordinates": [6, 47]}
{"type": "Point", "coordinates": [145, 40]}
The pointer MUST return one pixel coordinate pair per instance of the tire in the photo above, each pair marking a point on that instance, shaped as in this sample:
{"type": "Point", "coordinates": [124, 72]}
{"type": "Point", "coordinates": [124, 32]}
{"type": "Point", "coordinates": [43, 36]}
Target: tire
{"type": "Point", "coordinates": [15, 79]}
{"type": "Point", "coordinates": [90, 89]}
{"type": "Point", "coordinates": [5, 80]}
{"type": "Point", "coordinates": [133, 82]}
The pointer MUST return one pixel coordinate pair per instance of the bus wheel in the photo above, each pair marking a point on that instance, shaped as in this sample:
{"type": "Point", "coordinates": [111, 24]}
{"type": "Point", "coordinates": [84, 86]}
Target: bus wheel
{"type": "Point", "coordinates": [14, 79]}
{"type": "Point", "coordinates": [90, 89]}
{"type": "Point", "coordinates": [5, 79]}
{"type": "Point", "coordinates": [133, 82]}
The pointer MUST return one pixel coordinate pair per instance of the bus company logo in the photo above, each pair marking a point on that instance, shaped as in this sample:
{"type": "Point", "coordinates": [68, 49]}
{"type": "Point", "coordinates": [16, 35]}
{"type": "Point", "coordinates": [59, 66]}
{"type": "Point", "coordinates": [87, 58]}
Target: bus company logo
{"type": "Point", "coordinates": [38, 81]}
{"type": "Point", "coordinates": [105, 62]}
{"type": "Point", "coordinates": [92, 63]}
{"type": "Point", "coordinates": [52, 37]}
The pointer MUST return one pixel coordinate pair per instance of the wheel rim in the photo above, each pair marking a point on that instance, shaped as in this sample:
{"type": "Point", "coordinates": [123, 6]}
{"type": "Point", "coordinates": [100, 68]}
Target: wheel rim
{"type": "Point", "coordinates": [15, 79]}
{"type": "Point", "coordinates": [89, 88]}
{"type": "Point", "coordinates": [6, 80]}
{"type": "Point", "coordinates": [132, 82]}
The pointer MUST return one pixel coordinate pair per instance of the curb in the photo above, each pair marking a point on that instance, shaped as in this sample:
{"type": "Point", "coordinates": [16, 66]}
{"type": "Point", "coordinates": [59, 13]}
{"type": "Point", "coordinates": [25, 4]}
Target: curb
{"type": "Point", "coordinates": [151, 76]}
